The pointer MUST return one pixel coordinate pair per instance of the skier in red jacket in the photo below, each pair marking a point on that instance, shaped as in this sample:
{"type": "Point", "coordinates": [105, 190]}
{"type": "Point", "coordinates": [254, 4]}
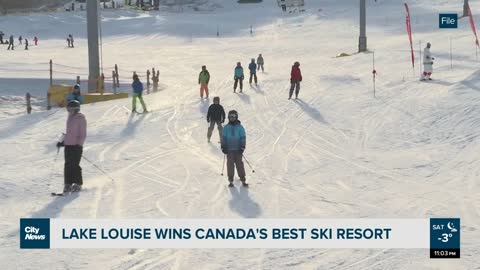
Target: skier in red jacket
{"type": "Point", "coordinates": [295, 79]}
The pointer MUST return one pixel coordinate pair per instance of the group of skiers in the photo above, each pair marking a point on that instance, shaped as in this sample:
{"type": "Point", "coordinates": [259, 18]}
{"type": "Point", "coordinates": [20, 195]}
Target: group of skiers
{"type": "Point", "coordinates": [21, 41]}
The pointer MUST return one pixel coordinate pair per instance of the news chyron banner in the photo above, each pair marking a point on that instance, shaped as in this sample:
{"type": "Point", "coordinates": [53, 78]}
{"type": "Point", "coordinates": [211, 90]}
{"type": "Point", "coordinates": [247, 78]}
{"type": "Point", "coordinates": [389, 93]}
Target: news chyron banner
{"type": "Point", "coordinates": [440, 235]}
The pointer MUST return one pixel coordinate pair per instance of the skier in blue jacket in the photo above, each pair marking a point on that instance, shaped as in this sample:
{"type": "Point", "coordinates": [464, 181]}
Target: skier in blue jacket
{"type": "Point", "coordinates": [253, 71]}
{"type": "Point", "coordinates": [137, 93]}
{"type": "Point", "coordinates": [233, 144]}
{"type": "Point", "coordinates": [75, 95]}
{"type": "Point", "coordinates": [238, 77]}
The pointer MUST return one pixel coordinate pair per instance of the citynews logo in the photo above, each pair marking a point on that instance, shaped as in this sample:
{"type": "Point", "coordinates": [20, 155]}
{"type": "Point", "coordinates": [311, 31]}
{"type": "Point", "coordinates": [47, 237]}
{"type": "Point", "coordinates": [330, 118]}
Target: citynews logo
{"type": "Point", "coordinates": [35, 233]}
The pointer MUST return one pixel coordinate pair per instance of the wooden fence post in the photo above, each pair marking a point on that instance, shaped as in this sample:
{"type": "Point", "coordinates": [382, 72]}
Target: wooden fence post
{"type": "Point", "coordinates": [29, 105]}
{"type": "Point", "coordinates": [114, 84]}
{"type": "Point", "coordinates": [51, 72]}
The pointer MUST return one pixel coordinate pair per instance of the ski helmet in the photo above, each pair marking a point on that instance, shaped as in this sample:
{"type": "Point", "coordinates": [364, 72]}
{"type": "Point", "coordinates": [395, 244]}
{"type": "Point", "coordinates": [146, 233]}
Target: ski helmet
{"type": "Point", "coordinates": [73, 106]}
{"type": "Point", "coordinates": [239, 64]}
{"type": "Point", "coordinates": [204, 67]}
{"type": "Point", "coordinates": [296, 63]}
{"type": "Point", "coordinates": [76, 89]}
{"type": "Point", "coordinates": [253, 60]}
{"type": "Point", "coordinates": [217, 99]}
{"type": "Point", "coordinates": [233, 114]}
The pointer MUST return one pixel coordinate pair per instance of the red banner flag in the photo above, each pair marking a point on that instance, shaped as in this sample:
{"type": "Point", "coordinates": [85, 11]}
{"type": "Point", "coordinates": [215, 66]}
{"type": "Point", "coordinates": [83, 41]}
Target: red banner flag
{"type": "Point", "coordinates": [472, 24]}
{"type": "Point", "coordinates": [409, 31]}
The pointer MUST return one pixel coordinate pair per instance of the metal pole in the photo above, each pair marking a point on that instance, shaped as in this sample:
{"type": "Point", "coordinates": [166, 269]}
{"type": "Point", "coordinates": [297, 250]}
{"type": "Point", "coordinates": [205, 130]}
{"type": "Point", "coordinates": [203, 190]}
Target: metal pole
{"type": "Point", "coordinates": [223, 166]}
{"type": "Point", "coordinates": [93, 57]}
{"type": "Point", "coordinates": [420, 66]}
{"type": "Point", "coordinates": [451, 56]}
{"type": "Point", "coordinates": [374, 73]}
{"type": "Point", "coordinates": [465, 8]}
{"type": "Point", "coordinates": [362, 40]}
{"type": "Point", "coordinates": [248, 163]}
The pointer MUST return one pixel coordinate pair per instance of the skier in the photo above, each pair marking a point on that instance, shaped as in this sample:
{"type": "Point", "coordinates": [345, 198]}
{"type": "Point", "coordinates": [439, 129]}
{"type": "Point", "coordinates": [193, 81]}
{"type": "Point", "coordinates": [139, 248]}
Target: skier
{"type": "Point", "coordinates": [26, 44]}
{"type": "Point", "coordinates": [68, 42]}
{"type": "Point", "coordinates": [295, 79]}
{"type": "Point", "coordinates": [137, 93]}
{"type": "Point", "coordinates": [260, 62]}
{"type": "Point", "coordinates": [427, 63]}
{"type": "Point", "coordinates": [253, 71]}
{"type": "Point", "coordinates": [215, 115]}
{"type": "Point", "coordinates": [11, 43]}
{"type": "Point", "coordinates": [238, 77]}
{"type": "Point", "coordinates": [203, 79]}
{"type": "Point", "coordinates": [20, 40]}
{"type": "Point", "coordinates": [1, 37]}
{"type": "Point", "coordinates": [35, 39]}
{"type": "Point", "coordinates": [76, 94]}
{"type": "Point", "coordinates": [73, 142]}
{"type": "Point", "coordinates": [71, 40]}
{"type": "Point", "coordinates": [233, 144]}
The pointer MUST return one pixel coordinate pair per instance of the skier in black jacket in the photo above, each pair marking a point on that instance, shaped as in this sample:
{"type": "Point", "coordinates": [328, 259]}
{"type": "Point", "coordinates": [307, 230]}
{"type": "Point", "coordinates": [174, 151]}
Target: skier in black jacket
{"type": "Point", "coordinates": [216, 114]}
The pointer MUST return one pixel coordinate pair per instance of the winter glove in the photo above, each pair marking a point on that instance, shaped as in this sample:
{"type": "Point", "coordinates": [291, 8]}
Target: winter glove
{"type": "Point", "coordinates": [224, 150]}
{"type": "Point", "coordinates": [241, 150]}
{"type": "Point", "coordinates": [60, 144]}
{"type": "Point", "coordinates": [208, 120]}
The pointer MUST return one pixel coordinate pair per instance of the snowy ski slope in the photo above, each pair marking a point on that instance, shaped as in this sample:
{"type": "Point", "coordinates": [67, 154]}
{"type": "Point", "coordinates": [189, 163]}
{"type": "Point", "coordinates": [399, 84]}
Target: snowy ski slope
{"type": "Point", "coordinates": [337, 152]}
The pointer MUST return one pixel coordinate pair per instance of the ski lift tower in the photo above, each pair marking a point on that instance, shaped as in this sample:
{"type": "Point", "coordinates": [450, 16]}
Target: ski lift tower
{"type": "Point", "coordinates": [287, 4]}
{"type": "Point", "coordinates": [362, 40]}
{"type": "Point", "coordinates": [93, 55]}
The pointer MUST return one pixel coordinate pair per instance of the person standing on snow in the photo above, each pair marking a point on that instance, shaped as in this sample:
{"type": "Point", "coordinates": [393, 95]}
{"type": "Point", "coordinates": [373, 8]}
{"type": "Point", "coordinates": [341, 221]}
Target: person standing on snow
{"type": "Point", "coordinates": [427, 63]}
{"type": "Point", "coordinates": [260, 62]}
{"type": "Point", "coordinates": [137, 93]}
{"type": "Point", "coordinates": [20, 40]}
{"type": "Point", "coordinates": [233, 144]}
{"type": "Point", "coordinates": [73, 142]}
{"type": "Point", "coordinates": [35, 39]}
{"type": "Point", "coordinates": [26, 44]}
{"type": "Point", "coordinates": [203, 79]}
{"type": "Point", "coordinates": [215, 115]}
{"type": "Point", "coordinates": [75, 95]}
{"type": "Point", "coordinates": [1, 37]}
{"type": "Point", "coordinates": [11, 43]}
{"type": "Point", "coordinates": [238, 77]}
{"type": "Point", "coordinates": [295, 79]}
{"type": "Point", "coordinates": [253, 71]}
{"type": "Point", "coordinates": [70, 37]}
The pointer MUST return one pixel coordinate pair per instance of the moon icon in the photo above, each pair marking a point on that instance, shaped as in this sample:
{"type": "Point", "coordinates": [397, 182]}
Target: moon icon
{"type": "Point", "coordinates": [451, 227]}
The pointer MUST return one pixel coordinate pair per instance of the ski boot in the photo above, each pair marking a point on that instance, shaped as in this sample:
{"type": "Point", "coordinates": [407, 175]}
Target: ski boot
{"type": "Point", "coordinates": [67, 188]}
{"type": "Point", "coordinates": [244, 182]}
{"type": "Point", "coordinates": [76, 188]}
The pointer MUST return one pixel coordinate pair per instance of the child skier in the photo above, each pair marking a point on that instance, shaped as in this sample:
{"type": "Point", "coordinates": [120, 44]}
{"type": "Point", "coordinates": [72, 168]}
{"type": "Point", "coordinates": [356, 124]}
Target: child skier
{"type": "Point", "coordinates": [260, 62]}
{"type": "Point", "coordinates": [75, 136]}
{"type": "Point", "coordinates": [253, 71]}
{"type": "Point", "coordinates": [75, 95]}
{"type": "Point", "coordinates": [233, 144]}
{"type": "Point", "coordinates": [203, 79]}
{"type": "Point", "coordinates": [137, 93]}
{"type": "Point", "coordinates": [295, 79]}
{"type": "Point", "coordinates": [427, 63]}
{"type": "Point", "coordinates": [215, 115]}
{"type": "Point", "coordinates": [238, 77]}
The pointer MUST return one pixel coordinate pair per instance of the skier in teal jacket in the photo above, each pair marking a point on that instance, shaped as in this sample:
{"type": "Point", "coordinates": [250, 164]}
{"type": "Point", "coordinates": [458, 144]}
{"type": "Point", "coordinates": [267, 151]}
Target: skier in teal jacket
{"type": "Point", "coordinates": [234, 140]}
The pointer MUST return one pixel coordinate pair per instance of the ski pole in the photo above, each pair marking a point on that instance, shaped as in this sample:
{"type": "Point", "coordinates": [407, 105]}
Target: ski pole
{"type": "Point", "coordinates": [223, 167]}
{"type": "Point", "coordinates": [94, 165]}
{"type": "Point", "coordinates": [248, 163]}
